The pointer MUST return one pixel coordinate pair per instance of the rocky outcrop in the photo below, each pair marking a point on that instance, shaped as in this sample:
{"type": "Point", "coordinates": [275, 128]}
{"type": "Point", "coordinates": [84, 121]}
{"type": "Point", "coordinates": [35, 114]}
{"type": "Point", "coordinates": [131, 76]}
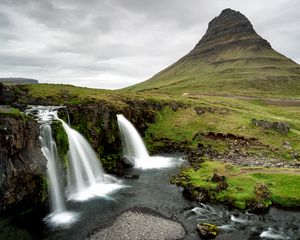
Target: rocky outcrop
{"type": "Point", "coordinates": [281, 127]}
{"type": "Point", "coordinates": [97, 121]}
{"type": "Point", "coordinates": [22, 164]}
{"type": "Point", "coordinates": [7, 96]}
{"type": "Point", "coordinates": [228, 29]}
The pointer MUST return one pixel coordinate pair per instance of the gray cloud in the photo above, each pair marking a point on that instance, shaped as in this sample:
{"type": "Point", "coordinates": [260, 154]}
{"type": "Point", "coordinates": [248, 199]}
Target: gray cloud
{"type": "Point", "coordinates": [115, 43]}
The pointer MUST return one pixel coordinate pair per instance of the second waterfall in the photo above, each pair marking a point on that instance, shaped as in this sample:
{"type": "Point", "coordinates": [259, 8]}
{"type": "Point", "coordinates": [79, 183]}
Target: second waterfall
{"type": "Point", "coordinates": [135, 150]}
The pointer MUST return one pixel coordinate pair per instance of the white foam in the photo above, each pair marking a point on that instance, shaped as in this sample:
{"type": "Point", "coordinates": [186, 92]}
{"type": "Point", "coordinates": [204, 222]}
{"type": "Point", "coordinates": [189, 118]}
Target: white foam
{"type": "Point", "coordinates": [273, 234]}
{"type": "Point", "coordinates": [63, 218]}
{"type": "Point", "coordinates": [94, 191]}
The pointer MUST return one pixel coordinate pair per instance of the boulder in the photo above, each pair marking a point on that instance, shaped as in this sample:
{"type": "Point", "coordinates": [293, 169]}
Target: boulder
{"type": "Point", "coordinates": [218, 178]}
{"type": "Point", "coordinates": [281, 127]}
{"type": "Point", "coordinates": [127, 162]}
{"type": "Point", "coordinates": [207, 230]}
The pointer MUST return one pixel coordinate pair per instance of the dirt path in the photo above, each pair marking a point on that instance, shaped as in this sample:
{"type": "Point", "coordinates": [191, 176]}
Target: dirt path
{"type": "Point", "coordinates": [262, 170]}
{"type": "Point", "coordinates": [270, 101]}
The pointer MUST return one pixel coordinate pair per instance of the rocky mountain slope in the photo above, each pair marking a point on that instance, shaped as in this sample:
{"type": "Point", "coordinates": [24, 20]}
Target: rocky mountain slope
{"type": "Point", "coordinates": [230, 58]}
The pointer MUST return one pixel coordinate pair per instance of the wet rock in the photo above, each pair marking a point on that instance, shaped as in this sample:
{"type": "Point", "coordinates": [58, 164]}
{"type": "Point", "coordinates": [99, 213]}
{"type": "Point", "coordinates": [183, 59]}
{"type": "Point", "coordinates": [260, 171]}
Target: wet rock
{"type": "Point", "coordinates": [218, 178]}
{"type": "Point", "coordinates": [22, 164]}
{"type": "Point", "coordinates": [207, 230]}
{"type": "Point", "coordinates": [127, 162]}
{"type": "Point", "coordinates": [195, 194]}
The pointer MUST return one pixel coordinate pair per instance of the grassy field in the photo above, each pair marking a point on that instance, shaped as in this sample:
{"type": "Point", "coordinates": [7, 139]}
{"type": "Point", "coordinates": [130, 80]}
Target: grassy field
{"type": "Point", "coordinates": [229, 116]}
{"type": "Point", "coordinates": [241, 191]}
{"type": "Point", "coordinates": [193, 120]}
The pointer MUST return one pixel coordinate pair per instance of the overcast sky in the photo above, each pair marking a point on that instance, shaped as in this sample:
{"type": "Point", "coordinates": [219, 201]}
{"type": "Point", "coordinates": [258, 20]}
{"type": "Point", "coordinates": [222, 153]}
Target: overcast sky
{"type": "Point", "coordinates": [116, 43]}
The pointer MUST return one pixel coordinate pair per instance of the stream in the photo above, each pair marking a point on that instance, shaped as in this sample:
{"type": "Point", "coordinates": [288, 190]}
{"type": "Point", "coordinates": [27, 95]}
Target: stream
{"type": "Point", "coordinates": [153, 190]}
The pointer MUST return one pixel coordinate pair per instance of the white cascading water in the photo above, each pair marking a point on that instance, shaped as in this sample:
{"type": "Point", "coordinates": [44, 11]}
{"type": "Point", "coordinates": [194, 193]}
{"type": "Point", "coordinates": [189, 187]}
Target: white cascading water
{"type": "Point", "coordinates": [58, 214]}
{"type": "Point", "coordinates": [49, 150]}
{"type": "Point", "coordinates": [135, 149]}
{"type": "Point", "coordinates": [86, 178]}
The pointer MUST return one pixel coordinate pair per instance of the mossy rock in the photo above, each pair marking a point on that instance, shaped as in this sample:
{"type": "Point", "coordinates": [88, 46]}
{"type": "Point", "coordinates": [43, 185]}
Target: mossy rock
{"type": "Point", "coordinates": [207, 230]}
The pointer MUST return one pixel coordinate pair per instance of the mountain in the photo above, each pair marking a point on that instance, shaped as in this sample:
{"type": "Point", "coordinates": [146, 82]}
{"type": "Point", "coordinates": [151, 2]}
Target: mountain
{"type": "Point", "coordinates": [13, 81]}
{"type": "Point", "coordinates": [231, 58]}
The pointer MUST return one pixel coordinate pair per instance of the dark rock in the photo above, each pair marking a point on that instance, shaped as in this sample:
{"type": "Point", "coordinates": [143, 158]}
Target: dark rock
{"type": "Point", "coordinates": [22, 164]}
{"type": "Point", "coordinates": [218, 178]}
{"type": "Point", "coordinates": [222, 186]}
{"type": "Point", "coordinates": [207, 230]}
{"type": "Point", "coordinates": [282, 128]}
{"type": "Point", "coordinates": [7, 96]}
{"type": "Point", "coordinates": [127, 162]}
{"type": "Point", "coordinates": [200, 111]}
{"type": "Point", "coordinates": [195, 194]}
{"type": "Point", "coordinates": [262, 198]}
{"type": "Point", "coordinates": [230, 28]}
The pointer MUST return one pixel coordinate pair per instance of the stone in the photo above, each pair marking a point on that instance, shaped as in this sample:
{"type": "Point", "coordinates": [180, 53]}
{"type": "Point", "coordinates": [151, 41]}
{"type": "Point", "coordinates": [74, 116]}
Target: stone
{"type": "Point", "coordinates": [287, 145]}
{"type": "Point", "coordinates": [145, 223]}
{"type": "Point", "coordinates": [127, 162]}
{"type": "Point", "coordinates": [281, 127]}
{"type": "Point", "coordinates": [218, 178]}
{"type": "Point", "coordinates": [22, 164]}
{"type": "Point", "coordinates": [207, 230]}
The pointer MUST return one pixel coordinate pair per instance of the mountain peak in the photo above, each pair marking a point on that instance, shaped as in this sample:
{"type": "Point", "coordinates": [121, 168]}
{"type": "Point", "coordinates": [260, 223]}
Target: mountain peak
{"type": "Point", "coordinates": [230, 27]}
{"type": "Point", "coordinates": [230, 58]}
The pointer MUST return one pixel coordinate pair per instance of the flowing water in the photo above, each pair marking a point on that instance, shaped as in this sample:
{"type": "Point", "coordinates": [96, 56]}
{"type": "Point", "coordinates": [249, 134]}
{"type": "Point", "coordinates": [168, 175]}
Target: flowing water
{"type": "Point", "coordinates": [58, 213]}
{"type": "Point", "coordinates": [153, 190]}
{"type": "Point", "coordinates": [134, 148]}
{"type": "Point", "coordinates": [86, 178]}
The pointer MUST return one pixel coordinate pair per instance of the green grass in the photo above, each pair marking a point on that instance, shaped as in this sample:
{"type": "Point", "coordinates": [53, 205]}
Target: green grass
{"type": "Point", "coordinates": [238, 71]}
{"type": "Point", "coordinates": [14, 113]}
{"type": "Point", "coordinates": [229, 116]}
{"type": "Point", "coordinates": [284, 185]}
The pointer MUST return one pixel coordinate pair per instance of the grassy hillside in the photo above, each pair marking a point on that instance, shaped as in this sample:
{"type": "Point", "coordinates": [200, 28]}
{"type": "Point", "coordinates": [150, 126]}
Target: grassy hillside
{"type": "Point", "coordinates": [231, 58]}
{"type": "Point", "coordinates": [239, 72]}
{"type": "Point", "coordinates": [220, 128]}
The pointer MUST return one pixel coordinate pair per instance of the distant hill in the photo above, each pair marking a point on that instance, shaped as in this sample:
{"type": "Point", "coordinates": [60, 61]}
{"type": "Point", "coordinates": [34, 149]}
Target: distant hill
{"type": "Point", "coordinates": [14, 81]}
{"type": "Point", "coordinates": [231, 58]}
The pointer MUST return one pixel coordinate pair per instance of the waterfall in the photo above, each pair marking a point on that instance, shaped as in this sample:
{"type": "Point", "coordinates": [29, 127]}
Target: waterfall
{"type": "Point", "coordinates": [134, 148]}
{"type": "Point", "coordinates": [86, 177]}
{"type": "Point", "coordinates": [49, 150]}
{"type": "Point", "coordinates": [132, 143]}
{"type": "Point", "coordinates": [58, 213]}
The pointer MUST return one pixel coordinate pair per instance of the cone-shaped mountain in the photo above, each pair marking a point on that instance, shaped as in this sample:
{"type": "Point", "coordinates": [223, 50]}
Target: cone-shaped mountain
{"type": "Point", "coordinates": [231, 58]}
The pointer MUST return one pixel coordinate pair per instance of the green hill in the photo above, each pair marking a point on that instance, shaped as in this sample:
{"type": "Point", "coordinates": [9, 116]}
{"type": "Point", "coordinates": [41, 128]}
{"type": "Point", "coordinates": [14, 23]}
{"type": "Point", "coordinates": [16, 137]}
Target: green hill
{"type": "Point", "coordinates": [231, 58]}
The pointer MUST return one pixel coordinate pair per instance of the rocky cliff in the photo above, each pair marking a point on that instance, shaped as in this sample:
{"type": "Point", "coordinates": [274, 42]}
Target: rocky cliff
{"type": "Point", "coordinates": [229, 30]}
{"type": "Point", "coordinates": [22, 164]}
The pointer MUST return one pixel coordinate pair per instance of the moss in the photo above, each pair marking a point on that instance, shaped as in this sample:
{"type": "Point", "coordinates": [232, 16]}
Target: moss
{"type": "Point", "coordinates": [246, 186]}
{"type": "Point", "coordinates": [61, 140]}
{"type": "Point", "coordinates": [14, 113]}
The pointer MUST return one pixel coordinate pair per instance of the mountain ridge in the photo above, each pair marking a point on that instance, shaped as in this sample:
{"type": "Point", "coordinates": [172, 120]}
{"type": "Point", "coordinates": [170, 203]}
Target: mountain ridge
{"type": "Point", "coordinates": [230, 58]}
